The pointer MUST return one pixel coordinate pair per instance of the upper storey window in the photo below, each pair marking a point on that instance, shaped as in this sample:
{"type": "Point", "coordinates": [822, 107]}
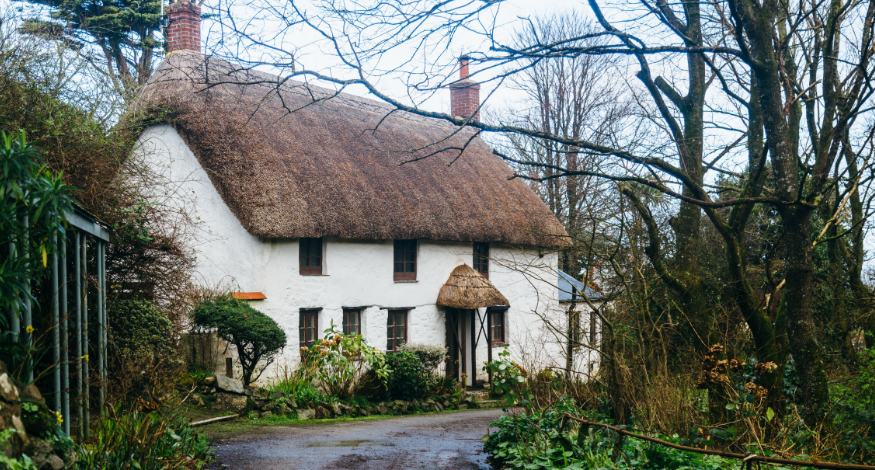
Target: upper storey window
{"type": "Point", "coordinates": [481, 259]}
{"type": "Point", "coordinates": [405, 260]}
{"type": "Point", "coordinates": [310, 256]}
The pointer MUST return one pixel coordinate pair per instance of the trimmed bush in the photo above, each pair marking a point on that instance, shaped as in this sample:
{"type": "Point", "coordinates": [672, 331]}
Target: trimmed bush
{"type": "Point", "coordinates": [430, 356]}
{"type": "Point", "coordinates": [142, 353]}
{"type": "Point", "coordinates": [256, 336]}
{"type": "Point", "coordinates": [407, 376]}
{"type": "Point", "coordinates": [137, 328]}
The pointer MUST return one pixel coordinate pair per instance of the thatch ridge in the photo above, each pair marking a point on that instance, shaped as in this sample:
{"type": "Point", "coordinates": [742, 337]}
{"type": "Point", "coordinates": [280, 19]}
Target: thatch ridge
{"type": "Point", "coordinates": [289, 167]}
{"type": "Point", "coordinates": [468, 289]}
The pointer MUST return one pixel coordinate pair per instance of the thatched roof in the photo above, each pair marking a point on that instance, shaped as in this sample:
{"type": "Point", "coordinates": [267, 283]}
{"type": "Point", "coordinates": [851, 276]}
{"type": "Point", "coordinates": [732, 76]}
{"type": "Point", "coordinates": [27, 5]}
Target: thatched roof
{"type": "Point", "coordinates": [467, 289]}
{"type": "Point", "coordinates": [290, 167]}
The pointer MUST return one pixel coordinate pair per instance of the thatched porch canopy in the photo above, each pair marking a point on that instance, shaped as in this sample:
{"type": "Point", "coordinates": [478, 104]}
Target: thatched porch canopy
{"type": "Point", "coordinates": [467, 289]}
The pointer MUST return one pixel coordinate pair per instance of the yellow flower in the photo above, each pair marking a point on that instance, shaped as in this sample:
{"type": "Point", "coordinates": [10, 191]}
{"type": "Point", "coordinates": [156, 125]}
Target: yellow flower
{"type": "Point", "coordinates": [85, 357]}
{"type": "Point", "coordinates": [29, 329]}
{"type": "Point", "coordinates": [60, 418]}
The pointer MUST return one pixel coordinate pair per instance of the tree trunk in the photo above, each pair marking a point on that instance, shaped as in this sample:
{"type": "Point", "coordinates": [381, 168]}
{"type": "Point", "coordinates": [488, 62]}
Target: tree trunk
{"type": "Point", "coordinates": [800, 321]}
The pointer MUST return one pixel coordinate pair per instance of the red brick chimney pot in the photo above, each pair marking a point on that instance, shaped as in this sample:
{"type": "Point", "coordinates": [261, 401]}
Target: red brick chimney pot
{"type": "Point", "coordinates": [183, 27]}
{"type": "Point", "coordinates": [465, 94]}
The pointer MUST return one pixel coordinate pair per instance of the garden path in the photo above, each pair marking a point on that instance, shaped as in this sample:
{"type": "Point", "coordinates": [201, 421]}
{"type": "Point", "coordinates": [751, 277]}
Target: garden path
{"type": "Point", "coordinates": [435, 442]}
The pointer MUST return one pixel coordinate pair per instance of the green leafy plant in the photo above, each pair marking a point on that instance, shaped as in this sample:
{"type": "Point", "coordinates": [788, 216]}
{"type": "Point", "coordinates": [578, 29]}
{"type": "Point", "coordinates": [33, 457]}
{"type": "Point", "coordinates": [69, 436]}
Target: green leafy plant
{"type": "Point", "coordinates": [23, 463]}
{"type": "Point", "coordinates": [406, 379]}
{"type": "Point", "coordinates": [32, 217]}
{"type": "Point", "coordinates": [131, 439]}
{"type": "Point", "coordinates": [342, 361]}
{"type": "Point", "coordinates": [256, 336]}
{"type": "Point", "coordinates": [508, 379]}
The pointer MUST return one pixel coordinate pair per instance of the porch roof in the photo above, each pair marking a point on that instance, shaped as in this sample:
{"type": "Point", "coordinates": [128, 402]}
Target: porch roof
{"type": "Point", "coordinates": [467, 289]}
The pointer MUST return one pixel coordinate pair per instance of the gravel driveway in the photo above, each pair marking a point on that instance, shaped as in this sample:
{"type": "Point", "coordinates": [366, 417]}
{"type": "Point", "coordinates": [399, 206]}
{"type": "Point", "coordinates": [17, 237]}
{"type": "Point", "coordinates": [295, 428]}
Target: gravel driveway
{"type": "Point", "coordinates": [439, 441]}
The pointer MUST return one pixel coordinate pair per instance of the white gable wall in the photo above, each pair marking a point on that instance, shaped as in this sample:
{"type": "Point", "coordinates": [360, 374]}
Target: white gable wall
{"type": "Point", "coordinates": [357, 273]}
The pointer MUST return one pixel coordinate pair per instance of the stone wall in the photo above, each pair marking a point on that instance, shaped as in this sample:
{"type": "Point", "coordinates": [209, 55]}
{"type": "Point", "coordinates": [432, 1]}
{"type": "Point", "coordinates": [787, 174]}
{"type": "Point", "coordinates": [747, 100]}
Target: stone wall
{"type": "Point", "coordinates": [37, 435]}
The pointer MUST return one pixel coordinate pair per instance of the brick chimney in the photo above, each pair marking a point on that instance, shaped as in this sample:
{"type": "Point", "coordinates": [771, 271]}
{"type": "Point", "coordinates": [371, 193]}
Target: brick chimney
{"type": "Point", "coordinates": [465, 94]}
{"type": "Point", "coordinates": [183, 27]}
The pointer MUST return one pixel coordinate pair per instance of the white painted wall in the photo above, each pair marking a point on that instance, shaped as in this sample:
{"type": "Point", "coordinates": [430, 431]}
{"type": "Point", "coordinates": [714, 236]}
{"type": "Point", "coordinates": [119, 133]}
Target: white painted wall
{"type": "Point", "coordinates": [356, 272]}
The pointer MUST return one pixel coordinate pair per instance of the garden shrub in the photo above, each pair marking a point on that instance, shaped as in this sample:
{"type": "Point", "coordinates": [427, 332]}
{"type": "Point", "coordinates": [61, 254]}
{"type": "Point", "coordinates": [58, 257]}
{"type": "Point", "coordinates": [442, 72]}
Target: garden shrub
{"type": "Point", "coordinates": [406, 376]}
{"type": "Point", "coordinates": [256, 336]}
{"type": "Point", "coordinates": [142, 354]}
{"type": "Point", "coordinates": [853, 412]}
{"type": "Point", "coordinates": [430, 356]}
{"type": "Point", "coordinates": [537, 440]}
{"type": "Point", "coordinates": [342, 361]}
{"type": "Point", "coordinates": [508, 379]}
{"type": "Point", "coordinates": [138, 328]}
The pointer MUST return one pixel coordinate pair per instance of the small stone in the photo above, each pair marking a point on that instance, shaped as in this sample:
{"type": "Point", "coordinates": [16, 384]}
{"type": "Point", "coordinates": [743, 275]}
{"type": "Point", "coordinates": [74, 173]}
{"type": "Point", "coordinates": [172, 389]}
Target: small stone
{"type": "Point", "coordinates": [322, 412]}
{"type": "Point", "coordinates": [229, 402]}
{"type": "Point", "coordinates": [282, 410]}
{"type": "Point", "coordinates": [292, 403]}
{"type": "Point", "coordinates": [259, 393]}
{"type": "Point", "coordinates": [266, 414]}
{"type": "Point", "coordinates": [463, 406]}
{"type": "Point", "coordinates": [259, 404]}
{"type": "Point", "coordinates": [32, 394]}
{"type": "Point", "coordinates": [196, 400]}
{"type": "Point", "coordinates": [337, 409]}
{"type": "Point", "coordinates": [439, 407]}
{"type": "Point", "coordinates": [446, 403]}
{"type": "Point", "coordinates": [269, 406]}
{"type": "Point", "coordinates": [305, 414]}
{"type": "Point", "coordinates": [8, 390]}
{"type": "Point", "coordinates": [210, 381]}
{"type": "Point", "coordinates": [54, 462]}
{"type": "Point", "coordinates": [229, 385]}
{"type": "Point", "coordinates": [17, 424]}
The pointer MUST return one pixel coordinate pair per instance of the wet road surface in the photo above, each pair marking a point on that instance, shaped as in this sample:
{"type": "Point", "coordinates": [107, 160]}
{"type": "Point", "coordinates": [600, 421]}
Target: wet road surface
{"type": "Point", "coordinates": [435, 442]}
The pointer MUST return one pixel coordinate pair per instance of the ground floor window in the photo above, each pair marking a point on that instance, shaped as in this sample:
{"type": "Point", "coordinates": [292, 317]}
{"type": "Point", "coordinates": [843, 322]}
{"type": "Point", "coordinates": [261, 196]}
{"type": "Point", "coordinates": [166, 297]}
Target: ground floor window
{"type": "Point", "coordinates": [396, 330]}
{"type": "Point", "coordinates": [308, 327]}
{"type": "Point", "coordinates": [497, 322]}
{"type": "Point", "coordinates": [352, 321]}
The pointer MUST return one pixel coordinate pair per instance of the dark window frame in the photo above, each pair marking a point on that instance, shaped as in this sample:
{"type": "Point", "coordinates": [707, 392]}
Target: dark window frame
{"type": "Point", "coordinates": [303, 314]}
{"type": "Point", "coordinates": [502, 328]}
{"type": "Point", "coordinates": [481, 259]}
{"type": "Point", "coordinates": [407, 249]}
{"type": "Point", "coordinates": [347, 324]}
{"type": "Point", "coordinates": [310, 264]}
{"type": "Point", "coordinates": [392, 322]}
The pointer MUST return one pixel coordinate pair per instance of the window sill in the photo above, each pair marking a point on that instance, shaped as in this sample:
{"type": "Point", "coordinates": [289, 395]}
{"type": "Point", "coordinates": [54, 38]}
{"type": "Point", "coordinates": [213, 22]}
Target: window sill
{"type": "Point", "coordinates": [314, 275]}
{"type": "Point", "coordinates": [405, 281]}
{"type": "Point", "coordinates": [499, 344]}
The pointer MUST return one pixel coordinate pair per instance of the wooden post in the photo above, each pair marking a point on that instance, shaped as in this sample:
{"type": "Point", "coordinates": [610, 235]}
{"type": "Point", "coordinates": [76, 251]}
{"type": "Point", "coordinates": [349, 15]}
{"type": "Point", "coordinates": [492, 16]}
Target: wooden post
{"type": "Point", "coordinates": [489, 345]}
{"type": "Point", "coordinates": [474, 348]}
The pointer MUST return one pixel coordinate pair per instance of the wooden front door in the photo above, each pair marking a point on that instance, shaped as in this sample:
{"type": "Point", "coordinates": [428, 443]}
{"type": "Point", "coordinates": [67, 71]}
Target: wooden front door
{"type": "Point", "coordinates": [455, 343]}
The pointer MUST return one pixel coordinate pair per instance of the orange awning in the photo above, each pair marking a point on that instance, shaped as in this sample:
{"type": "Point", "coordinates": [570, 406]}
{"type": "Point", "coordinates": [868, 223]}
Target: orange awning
{"type": "Point", "coordinates": [248, 295]}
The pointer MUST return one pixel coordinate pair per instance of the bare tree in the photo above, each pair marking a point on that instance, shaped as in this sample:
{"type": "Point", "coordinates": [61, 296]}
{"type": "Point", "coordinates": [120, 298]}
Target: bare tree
{"type": "Point", "coordinates": [773, 94]}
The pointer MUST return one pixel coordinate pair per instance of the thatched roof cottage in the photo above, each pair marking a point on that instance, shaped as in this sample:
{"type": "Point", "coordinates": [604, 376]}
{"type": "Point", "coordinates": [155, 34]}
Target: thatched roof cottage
{"type": "Point", "coordinates": [317, 208]}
